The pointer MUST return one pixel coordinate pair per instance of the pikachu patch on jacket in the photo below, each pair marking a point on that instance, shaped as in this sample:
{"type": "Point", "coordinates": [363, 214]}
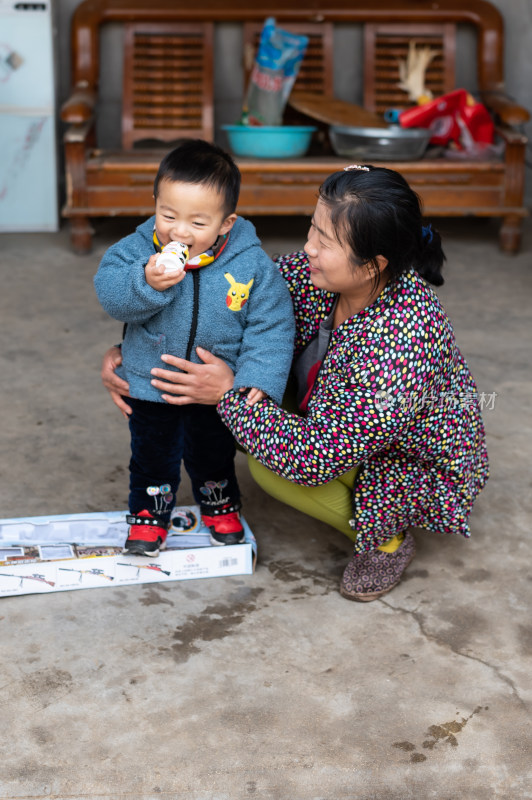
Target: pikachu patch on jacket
{"type": "Point", "coordinates": [238, 293]}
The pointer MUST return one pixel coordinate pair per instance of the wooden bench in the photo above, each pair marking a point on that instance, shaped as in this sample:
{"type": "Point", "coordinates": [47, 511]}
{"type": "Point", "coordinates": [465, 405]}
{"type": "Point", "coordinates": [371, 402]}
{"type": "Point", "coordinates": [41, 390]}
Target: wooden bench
{"type": "Point", "coordinates": [169, 66]}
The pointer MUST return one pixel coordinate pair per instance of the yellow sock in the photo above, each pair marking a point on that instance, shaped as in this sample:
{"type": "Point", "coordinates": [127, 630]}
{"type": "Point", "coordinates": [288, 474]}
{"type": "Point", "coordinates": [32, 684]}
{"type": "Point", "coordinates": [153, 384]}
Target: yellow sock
{"type": "Point", "coordinates": [392, 544]}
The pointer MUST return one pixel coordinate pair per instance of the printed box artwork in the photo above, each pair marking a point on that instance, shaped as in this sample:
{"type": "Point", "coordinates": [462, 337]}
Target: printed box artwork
{"type": "Point", "coordinates": [84, 551]}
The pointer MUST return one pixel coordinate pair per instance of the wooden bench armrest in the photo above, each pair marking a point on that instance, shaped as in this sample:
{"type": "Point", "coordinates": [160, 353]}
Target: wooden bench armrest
{"type": "Point", "coordinates": [509, 112]}
{"type": "Point", "coordinates": [79, 107]}
{"type": "Point", "coordinates": [510, 135]}
{"type": "Point", "coordinates": [78, 133]}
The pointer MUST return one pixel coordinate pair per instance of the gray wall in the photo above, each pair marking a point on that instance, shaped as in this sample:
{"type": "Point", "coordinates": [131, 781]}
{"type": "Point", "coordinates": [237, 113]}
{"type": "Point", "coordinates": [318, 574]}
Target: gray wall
{"type": "Point", "coordinates": [517, 15]}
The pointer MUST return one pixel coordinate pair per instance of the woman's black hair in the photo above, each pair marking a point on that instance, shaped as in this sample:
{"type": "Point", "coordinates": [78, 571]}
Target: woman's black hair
{"type": "Point", "coordinates": [199, 161]}
{"type": "Point", "coordinates": [376, 213]}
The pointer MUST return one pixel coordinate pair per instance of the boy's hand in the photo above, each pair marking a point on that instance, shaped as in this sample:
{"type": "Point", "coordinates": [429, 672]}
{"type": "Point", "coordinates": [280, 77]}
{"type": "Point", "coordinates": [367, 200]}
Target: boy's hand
{"type": "Point", "coordinates": [254, 395]}
{"type": "Point", "coordinates": [157, 278]}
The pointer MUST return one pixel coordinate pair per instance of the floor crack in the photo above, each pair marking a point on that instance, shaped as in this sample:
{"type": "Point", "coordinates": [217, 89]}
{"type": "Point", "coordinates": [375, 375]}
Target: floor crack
{"type": "Point", "coordinates": [434, 638]}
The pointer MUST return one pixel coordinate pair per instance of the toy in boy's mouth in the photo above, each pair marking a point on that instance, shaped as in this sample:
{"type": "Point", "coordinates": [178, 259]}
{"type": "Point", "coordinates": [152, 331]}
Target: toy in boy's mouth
{"type": "Point", "coordinates": [173, 257]}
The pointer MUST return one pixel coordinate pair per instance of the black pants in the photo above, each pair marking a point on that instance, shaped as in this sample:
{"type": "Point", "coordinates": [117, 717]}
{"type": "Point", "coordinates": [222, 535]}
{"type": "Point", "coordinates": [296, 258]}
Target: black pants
{"type": "Point", "coordinates": [162, 436]}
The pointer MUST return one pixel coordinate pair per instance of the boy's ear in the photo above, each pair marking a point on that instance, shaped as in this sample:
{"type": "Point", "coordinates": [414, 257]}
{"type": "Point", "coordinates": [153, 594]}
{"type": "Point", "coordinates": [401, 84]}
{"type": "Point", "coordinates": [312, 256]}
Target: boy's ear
{"type": "Point", "coordinates": [228, 223]}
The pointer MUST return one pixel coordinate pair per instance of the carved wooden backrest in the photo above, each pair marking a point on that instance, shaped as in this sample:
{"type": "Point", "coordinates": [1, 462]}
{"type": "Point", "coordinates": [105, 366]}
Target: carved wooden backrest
{"type": "Point", "coordinates": [386, 44]}
{"type": "Point", "coordinates": [316, 70]}
{"type": "Point", "coordinates": [168, 81]}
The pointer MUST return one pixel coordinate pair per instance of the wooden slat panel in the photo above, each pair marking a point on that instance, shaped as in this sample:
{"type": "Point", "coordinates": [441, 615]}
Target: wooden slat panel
{"type": "Point", "coordinates": [386, 45]}
{"type": "Point", "coordinates": [168, 82]}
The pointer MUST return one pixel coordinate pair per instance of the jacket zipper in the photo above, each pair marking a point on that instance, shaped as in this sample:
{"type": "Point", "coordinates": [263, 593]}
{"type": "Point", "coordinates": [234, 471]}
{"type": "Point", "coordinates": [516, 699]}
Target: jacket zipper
{"type": "Point", "coordinates": [195, 311]}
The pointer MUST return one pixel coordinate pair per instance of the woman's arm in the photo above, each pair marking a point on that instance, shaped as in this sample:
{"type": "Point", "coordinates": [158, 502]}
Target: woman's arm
{"type": "Point", "coordinates": [345, 426]}
{"type": "Point", "coordinates": [360, 405]}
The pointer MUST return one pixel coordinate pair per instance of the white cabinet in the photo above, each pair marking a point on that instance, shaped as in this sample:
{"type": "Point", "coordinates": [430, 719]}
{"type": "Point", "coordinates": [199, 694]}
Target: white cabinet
{"type": "Point", "coordinates": [28, 146]}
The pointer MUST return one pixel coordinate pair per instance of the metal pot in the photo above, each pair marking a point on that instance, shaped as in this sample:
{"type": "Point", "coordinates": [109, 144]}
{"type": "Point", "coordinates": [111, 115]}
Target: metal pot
{"type": "Point", "coordinates": [379, 144]}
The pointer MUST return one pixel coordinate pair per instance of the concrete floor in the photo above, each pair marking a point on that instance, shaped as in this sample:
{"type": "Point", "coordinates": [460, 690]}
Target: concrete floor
{"type": "Point", "coordinates": [269, 685]}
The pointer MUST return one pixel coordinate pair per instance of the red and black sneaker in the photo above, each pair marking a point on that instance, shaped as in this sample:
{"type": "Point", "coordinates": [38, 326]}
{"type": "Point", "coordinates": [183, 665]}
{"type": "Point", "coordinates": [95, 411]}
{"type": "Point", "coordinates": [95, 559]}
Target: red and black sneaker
{"type": "Point", "coordinates": [147, 534]}
{"type": "Point", "coordinates": [224, 525]}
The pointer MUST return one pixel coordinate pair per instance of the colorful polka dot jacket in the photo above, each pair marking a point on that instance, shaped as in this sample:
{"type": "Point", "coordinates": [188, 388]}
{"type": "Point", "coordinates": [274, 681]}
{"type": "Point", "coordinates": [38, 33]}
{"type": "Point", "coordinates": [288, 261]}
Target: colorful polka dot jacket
{"type": "Point", "coordinates": [394, 395]}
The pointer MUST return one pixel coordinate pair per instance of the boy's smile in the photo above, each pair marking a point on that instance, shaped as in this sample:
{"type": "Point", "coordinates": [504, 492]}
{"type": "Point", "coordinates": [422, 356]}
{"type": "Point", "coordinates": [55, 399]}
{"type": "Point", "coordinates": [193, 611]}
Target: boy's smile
{"type": "Point", "coordinates": [191, 213]}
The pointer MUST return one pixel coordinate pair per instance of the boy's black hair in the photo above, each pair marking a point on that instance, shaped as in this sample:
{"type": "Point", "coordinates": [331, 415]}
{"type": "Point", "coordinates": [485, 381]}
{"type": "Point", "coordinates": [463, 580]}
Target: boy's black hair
{"type": "Point", "coordinates": [376, 213]}
{"type": "Point", "coordinates": [199, 161]}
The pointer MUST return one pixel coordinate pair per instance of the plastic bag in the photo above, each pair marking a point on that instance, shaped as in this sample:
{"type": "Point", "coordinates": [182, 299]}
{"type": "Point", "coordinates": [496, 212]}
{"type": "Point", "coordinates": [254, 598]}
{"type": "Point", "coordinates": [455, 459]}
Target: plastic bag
{"type": "Point", "coordinates": [453, 118]}
{"type": "Point", "coordinates": [274, 72]}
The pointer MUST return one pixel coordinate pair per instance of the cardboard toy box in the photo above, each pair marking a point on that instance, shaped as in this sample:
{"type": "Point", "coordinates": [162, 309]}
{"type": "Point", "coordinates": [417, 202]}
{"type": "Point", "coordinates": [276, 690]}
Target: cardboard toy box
{"type": "Point", "coordinates": [84, 551]}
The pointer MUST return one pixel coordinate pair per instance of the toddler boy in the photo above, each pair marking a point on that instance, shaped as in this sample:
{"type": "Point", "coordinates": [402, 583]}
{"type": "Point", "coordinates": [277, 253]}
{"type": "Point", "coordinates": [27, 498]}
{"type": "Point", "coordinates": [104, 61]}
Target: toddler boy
{"type": "Point", "coordinates": [230, 300]}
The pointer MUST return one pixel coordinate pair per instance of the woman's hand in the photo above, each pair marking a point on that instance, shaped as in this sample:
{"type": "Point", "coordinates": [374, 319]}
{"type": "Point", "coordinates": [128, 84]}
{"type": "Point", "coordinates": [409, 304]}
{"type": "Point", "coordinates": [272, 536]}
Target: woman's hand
{"type": "Point", "coordinates": [117, 387]}
{"type": "Point", "coordinates": [198, 383]}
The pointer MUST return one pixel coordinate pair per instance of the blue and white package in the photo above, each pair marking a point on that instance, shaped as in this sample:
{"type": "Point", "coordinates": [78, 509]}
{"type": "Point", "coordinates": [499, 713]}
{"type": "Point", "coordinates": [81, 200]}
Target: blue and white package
{"type": "Point", "coordinates": [274, 72]}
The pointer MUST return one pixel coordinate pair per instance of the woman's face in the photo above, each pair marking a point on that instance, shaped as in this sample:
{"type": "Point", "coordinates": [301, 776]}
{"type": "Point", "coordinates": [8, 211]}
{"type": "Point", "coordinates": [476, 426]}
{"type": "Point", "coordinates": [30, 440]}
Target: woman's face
{"type": "Point", "coordinates": [329, 261]}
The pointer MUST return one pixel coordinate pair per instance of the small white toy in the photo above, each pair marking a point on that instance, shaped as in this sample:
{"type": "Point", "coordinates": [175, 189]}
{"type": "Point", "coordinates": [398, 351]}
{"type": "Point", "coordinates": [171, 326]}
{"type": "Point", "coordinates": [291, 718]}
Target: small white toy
{"type": "Point", "coordinates": [173, 257]}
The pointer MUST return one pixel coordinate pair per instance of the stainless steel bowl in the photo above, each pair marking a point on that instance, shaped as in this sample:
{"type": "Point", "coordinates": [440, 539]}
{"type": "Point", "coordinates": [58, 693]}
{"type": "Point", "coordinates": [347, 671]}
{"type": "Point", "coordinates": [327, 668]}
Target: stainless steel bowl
{"type": "Point", "coordinates": [379, 144]}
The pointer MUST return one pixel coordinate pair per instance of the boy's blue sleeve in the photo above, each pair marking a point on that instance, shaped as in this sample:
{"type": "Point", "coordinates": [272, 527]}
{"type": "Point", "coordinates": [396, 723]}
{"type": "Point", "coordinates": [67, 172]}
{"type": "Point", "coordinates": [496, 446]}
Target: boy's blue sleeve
{"type": "Point", "coordinates": [267, 346]}
{"type": "Point", "coordinates": [121, 285]}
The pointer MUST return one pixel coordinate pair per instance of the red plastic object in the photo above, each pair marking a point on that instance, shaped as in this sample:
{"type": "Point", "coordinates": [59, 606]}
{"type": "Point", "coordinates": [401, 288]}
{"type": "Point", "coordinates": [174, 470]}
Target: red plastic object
{"type": "Point", "coordinates": [479, 122]}
{"type": "Point", "coordinates": [453, 117]}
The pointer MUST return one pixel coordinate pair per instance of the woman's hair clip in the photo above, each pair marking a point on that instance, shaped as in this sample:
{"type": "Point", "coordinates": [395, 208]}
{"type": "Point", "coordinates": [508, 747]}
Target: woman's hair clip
{"type": "Point", "coordinates": [356, 166]}
{"type": "Point", "coordinates": [426, 232]}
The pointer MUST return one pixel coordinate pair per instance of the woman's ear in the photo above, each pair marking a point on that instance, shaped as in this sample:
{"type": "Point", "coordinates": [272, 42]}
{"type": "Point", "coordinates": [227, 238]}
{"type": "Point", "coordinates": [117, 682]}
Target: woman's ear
{"type": "Point", "coordinates": [228, 223]}
{"type": "Point", "coordinates": [381, 263]}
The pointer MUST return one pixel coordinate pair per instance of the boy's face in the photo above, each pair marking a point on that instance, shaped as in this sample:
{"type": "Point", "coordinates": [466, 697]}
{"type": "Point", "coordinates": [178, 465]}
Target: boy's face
{"type": "Point", "coordinates": [190, 213]}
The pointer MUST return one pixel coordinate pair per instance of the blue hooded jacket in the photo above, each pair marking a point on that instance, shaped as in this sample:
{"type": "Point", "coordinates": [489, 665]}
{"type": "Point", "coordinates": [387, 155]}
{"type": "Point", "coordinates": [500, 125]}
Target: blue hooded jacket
{"type": "Point", "coordinates": [238, 307]}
